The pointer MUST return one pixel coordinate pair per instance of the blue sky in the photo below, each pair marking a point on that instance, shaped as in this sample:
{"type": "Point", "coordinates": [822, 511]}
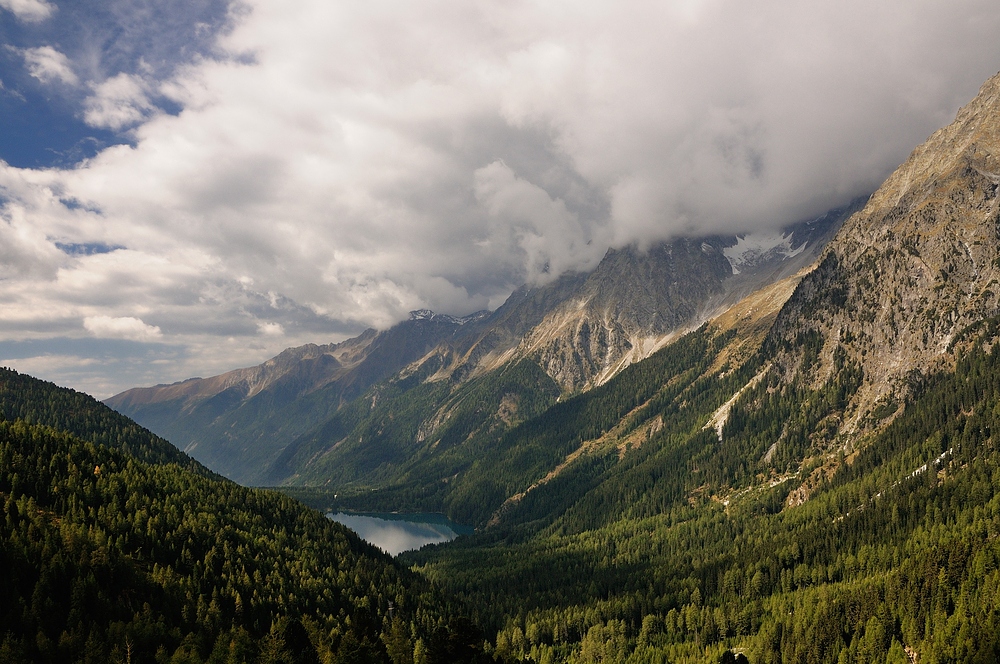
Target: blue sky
{"type": "Point", "coordinates": [188, 187]}
{"type": "Point", "coordinates": [43, 126]}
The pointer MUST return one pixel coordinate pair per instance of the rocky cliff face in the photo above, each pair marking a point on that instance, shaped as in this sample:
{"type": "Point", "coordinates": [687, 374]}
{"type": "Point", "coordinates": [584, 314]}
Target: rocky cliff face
{"type": "Point", "coordinates": [625, 309]}
{"type": "Point", "coordinates": [917, 266]}
{"type": "Point", "coordinates": [636, 301]}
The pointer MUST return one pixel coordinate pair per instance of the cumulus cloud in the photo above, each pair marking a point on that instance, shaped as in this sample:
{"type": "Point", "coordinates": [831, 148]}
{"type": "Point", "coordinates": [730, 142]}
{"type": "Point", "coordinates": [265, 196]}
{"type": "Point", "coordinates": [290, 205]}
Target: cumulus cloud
{"type": "Point", "coordinates": [332, 165]}
{"type": "Point", "coordinates": [120, 101]}
{"type": "Point", "coordinates": [25, 253]}
{"type": "Point", "coordinates": [47, 64]}
{"type": "Point", "coordinates": [124, 327]}
{"type": "Point", "coordinates": [30, 11]}
{"type": "Point", "coordinates": [271, 329]}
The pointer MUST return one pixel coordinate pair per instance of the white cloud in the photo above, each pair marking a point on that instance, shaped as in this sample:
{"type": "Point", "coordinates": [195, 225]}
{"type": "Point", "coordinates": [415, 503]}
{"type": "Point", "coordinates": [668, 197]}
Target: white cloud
{"type": "Point", "coordinates": [271, 329]}
{"type": "Point", "coordinates": [525, 217]}
{"type": "Point", "coordinates": [341, 163]}
{"type": "Point", "coordinates": [47, 64]}
{"type": "Point", "coordinates": [124, 327]}
{"type": "Point", "coordinates": [25, 252]}
{"type": "Point", "coordinates": [120, 101]}
{"type": "Point", "coordinates": [30, 11]}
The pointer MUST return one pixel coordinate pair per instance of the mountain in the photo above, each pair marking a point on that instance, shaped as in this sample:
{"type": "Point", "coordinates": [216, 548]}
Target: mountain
{"type": "Point", "coordinates": [636, 301]}
{"type": "Point", "coordinates": [230, 422]}
{"type": "Point", "coordinates": [918, 267]}
{"type": "Point", "coordinates": [116, 547]}
{"type": "Point", "coordinates": [801, 466]}
{"type": "Point", "coordinates": [819, 487]}
{"type": "Point", "coordinates": [276, 423]}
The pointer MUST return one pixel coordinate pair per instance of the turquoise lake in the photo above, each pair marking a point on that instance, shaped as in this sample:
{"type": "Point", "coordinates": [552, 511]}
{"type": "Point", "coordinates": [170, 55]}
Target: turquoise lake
{"type": "Point", "coordinates": [398, 532]}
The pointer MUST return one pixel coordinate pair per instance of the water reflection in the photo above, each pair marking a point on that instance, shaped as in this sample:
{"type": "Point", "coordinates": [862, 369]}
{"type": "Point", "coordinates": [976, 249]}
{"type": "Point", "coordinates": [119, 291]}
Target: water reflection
{"type": "Point", "coordinates": [395, 533]}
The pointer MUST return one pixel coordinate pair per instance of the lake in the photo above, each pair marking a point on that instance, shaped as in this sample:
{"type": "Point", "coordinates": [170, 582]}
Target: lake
{"type": "Point", "coordinates": [398, 532]}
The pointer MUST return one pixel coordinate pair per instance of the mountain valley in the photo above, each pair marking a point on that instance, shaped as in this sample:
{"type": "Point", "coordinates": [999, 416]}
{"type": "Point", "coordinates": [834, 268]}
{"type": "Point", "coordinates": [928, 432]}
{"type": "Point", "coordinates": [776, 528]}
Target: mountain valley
{"type": "Point", "coordinates": [117, 547]}
{"type": "Point", "coordinates": [773, 448]}
{"type": "Point", "coordinates": [280, 422]}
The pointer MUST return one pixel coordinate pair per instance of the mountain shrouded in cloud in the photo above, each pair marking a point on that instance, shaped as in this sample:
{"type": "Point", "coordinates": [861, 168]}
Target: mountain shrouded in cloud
{"type": "Point", "coordinates": [270, 174]}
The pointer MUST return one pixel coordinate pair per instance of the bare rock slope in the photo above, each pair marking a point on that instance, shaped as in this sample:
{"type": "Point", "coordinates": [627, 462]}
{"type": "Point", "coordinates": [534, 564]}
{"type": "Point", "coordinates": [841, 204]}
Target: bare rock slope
{"type": "Point", "coordinates": [915, 268]}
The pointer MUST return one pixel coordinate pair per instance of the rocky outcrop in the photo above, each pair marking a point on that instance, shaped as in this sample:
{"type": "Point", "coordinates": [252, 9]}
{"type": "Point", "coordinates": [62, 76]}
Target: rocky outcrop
{"type": "Point", "coordinates": [916, 267]}
{"type": "Point", "coordinates": [636, 301]}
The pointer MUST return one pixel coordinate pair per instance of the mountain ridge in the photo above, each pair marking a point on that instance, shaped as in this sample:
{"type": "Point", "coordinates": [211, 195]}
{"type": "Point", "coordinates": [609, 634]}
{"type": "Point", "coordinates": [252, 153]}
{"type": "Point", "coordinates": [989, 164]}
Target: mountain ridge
{"type": "Point", "coordinates": [580, 329]}
{"type": "Point", "coordinates": [931, 231]}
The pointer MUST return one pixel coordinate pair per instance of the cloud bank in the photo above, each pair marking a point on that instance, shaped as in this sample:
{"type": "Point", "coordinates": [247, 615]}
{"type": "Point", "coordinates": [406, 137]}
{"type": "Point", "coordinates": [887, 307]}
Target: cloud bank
{"type": "Point", "coordinates": [324, 166]}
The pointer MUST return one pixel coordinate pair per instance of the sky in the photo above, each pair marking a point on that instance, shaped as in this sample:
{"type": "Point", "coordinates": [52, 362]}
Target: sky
{"type": "Point", "coordinates": [190, 186]}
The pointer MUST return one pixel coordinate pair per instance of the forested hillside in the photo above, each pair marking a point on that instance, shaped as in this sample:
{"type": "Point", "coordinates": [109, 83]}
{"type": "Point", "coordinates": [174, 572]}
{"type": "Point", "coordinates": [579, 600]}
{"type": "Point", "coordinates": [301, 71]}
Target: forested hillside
{"type": "Point", "coordinates": [117, 548]}
{"type": "Point", "coordinates": [38, 402]}
{"type": "Point", "coordinates": [832, 497]}
{"type": "Point", "coordinates": [680, 554]}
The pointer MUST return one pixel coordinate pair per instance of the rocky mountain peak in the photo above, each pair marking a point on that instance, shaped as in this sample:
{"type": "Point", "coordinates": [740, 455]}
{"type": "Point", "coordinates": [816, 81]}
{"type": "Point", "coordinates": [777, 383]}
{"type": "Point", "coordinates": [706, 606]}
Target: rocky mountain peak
{"type": "Point", "coordinates": [913, 269]}
{"type": "Point", "coordinates": [427, 314]}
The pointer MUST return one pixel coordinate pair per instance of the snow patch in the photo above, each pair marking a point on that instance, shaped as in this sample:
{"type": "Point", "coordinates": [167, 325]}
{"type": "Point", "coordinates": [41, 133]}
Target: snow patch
{"type": "Point", "coordinates": [427, 314]}
{"type": "Point", "coordinates": [753, 249]}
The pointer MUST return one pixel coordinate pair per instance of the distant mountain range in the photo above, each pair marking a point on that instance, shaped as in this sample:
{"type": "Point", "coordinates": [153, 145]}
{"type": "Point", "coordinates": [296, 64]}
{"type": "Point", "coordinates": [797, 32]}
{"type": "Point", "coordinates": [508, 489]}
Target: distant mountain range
{"type": "Point", "coordinates": [580, 330]}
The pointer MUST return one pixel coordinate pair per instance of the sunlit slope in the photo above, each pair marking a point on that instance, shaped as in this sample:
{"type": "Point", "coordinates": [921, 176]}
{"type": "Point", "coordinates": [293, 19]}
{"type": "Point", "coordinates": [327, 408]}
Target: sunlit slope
{"type": "Point", "coordinates": [836, 501]}
{"type": "Point", "coordinates": [895, 552]}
